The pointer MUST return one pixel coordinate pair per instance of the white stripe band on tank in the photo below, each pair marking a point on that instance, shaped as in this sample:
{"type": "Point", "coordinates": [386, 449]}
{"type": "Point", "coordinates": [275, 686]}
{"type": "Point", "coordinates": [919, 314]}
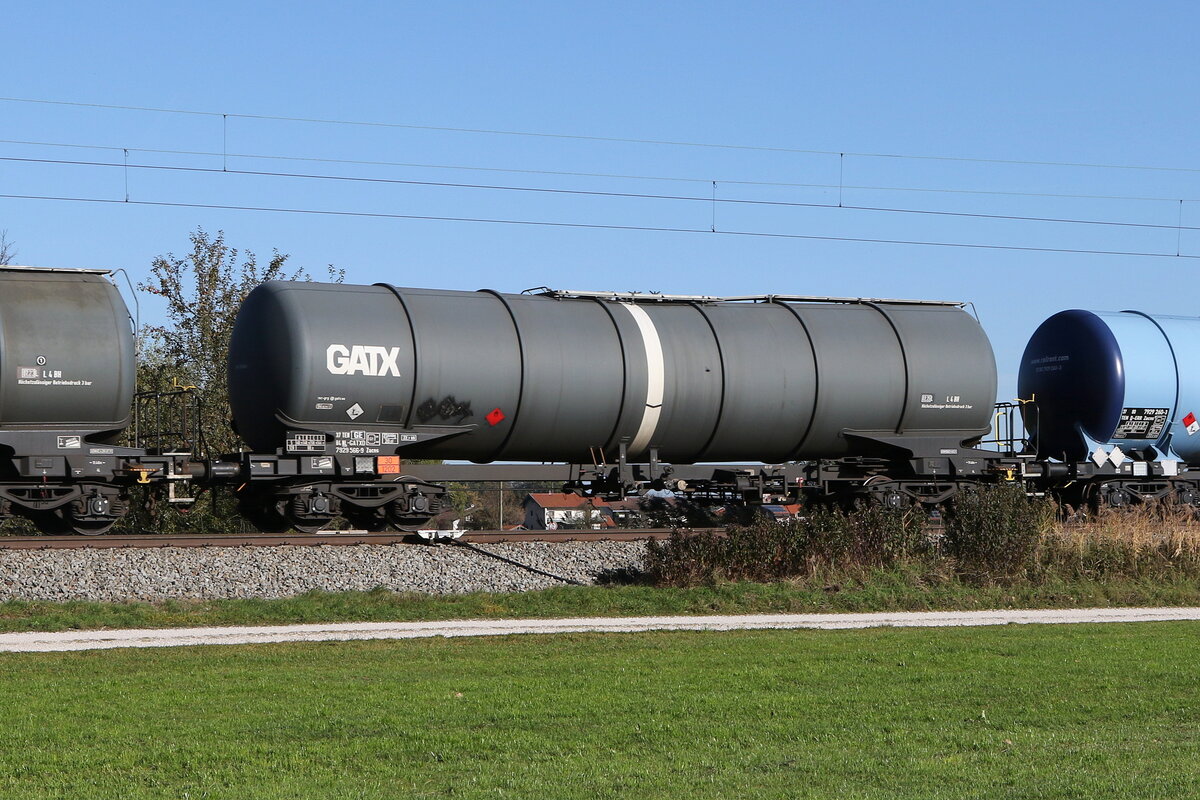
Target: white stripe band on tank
{"type": "Point", "coordinates": [655, 379]}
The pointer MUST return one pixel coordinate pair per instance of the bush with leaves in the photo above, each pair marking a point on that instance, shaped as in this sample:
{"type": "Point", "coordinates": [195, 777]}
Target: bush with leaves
{"type": "Point", "coordinates": [994, 532]}
{"type": "Point", "coordinates": [767, 550]}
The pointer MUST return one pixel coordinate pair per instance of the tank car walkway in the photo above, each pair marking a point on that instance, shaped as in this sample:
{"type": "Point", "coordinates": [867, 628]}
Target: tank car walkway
{"type": "Point", "coordinates": [97, 640]}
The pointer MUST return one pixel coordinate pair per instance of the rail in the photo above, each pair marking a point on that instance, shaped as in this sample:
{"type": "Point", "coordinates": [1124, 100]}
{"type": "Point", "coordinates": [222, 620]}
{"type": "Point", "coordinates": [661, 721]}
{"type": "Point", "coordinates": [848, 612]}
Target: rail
{"type": "Point", "coordinates": [342, 538]}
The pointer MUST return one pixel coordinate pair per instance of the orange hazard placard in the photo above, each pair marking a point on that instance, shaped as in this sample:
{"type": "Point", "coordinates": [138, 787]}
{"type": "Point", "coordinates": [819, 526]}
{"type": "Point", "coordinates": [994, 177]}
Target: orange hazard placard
{"type": "Point", "coordinates": [387, 465]}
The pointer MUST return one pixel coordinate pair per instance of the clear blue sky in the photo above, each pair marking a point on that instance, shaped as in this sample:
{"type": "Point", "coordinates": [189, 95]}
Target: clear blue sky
{"type": "Point", "coordinates": [1094, 83]}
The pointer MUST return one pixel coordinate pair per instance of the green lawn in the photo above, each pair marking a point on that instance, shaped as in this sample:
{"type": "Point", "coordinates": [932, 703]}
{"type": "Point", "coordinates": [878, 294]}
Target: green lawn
{"type": "Point", "coordinates": [896, 590]}
{"type": "Point", "coordinates": [1019, 711]}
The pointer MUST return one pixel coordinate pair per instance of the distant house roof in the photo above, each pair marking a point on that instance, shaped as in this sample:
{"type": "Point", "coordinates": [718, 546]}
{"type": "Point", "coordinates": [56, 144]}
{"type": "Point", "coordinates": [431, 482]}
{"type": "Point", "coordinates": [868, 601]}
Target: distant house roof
{"type": "Point", "coordinates": [561, 500]}
{"type": "Point", "coordinates": [781, 510]}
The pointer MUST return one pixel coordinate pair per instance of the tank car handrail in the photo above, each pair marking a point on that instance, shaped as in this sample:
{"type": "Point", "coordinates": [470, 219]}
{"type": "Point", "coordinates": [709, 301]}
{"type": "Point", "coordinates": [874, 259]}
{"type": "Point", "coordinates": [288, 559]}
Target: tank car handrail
{"type": "Point", "coordinates": [77, 270]}
{"type": "Point", "coordinates": [656, 297]}
{"type": "Point", "coordinates": [136, 317]}
{"type": "Point", "coordinates": [800, 298]}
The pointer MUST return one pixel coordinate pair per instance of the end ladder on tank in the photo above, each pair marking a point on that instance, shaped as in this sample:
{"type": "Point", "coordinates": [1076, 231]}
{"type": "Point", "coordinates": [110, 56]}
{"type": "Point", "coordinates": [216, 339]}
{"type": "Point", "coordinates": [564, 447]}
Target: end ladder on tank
{"type": "Point", "coordinates": [1009, 436]}
{"type": "Point", "coordinates": [167, 422]}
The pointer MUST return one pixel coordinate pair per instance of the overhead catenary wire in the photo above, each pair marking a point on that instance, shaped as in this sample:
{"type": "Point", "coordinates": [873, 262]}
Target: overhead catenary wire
{"type": "Point", "coordinates": [613, 175]}
{"type": "Point", "coordinates": [710, 197]}
{"type": "Point", "coordinates": [713, 199]}
{"type": "Point", "coordinates": [615, 139]}
{"type": "Point", "coordinates": [598, 226]}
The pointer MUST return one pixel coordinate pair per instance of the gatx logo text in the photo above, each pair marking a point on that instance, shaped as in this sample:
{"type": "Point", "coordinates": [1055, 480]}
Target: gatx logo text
{"type": "Point", "coordinates": [362, 359]}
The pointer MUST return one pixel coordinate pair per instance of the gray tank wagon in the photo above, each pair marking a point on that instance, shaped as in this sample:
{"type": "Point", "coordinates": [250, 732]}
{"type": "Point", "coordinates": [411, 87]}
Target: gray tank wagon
{"type": "Point", "coordinates": [67, 374]}
{"type": "Point", "coordinates": [369, 374]}
{"type": "Point", "coordinates": [485, 376]}
{"type": "Point", "coordinates": [66, 343]}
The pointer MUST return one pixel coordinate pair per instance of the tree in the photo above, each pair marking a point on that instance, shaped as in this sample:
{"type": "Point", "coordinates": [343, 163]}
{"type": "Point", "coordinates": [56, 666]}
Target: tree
{"type": "Point", "coordinates": [8, 253]}
{"type": "Point", "coordinates": [203, 291]}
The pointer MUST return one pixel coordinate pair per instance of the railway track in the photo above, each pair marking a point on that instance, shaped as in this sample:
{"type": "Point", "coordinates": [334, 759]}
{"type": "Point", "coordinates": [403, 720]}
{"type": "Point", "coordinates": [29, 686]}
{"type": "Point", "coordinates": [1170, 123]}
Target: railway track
{"type": "Point", "coordinates": [324, 538]}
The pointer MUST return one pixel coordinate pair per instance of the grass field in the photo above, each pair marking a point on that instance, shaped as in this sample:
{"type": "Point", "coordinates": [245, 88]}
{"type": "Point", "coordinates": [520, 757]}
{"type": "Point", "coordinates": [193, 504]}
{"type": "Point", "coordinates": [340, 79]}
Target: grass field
{"type": "Point", "coordinates": [1020, 711]}
{"type": "Point", "coordinates": [879, 590]}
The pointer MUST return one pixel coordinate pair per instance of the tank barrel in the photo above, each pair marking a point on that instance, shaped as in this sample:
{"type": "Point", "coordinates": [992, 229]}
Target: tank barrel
{"type": "Point", "coordinates": [555, 376]}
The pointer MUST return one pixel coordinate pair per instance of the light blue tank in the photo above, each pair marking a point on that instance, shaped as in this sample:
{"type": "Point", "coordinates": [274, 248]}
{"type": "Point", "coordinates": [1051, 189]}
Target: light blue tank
{"type": "Point", "coordinates": [1105, 379]}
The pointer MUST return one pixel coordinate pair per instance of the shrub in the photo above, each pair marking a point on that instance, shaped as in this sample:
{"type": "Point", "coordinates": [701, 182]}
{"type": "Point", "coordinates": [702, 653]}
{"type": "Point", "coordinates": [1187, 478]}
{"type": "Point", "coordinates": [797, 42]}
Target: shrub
{"type": "Point", "coordinates": [766, 550]}
{"type": "Point", "coordinates": [994, 532]}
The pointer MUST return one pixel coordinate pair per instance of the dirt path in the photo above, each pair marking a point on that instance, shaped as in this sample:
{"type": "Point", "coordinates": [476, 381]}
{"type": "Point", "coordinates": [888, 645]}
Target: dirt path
{"type": "Point", "coordinates": [96, 640]}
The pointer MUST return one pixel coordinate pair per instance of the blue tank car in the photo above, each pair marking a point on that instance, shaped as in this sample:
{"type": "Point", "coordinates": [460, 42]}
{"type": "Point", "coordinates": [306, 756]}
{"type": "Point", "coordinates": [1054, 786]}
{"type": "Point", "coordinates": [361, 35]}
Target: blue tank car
{"type": "Point", "coordinates": [1111, 384]}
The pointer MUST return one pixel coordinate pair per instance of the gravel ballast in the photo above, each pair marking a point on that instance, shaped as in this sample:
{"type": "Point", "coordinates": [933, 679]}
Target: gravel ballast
{"type": "Point", "coordinates": [209, 573]}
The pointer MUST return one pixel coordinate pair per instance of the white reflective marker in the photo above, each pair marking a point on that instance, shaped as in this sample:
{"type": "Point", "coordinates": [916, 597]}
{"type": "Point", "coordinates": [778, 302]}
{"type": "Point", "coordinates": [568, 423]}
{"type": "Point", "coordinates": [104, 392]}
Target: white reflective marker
{"type": "Point", "coordinates": [655, 379]}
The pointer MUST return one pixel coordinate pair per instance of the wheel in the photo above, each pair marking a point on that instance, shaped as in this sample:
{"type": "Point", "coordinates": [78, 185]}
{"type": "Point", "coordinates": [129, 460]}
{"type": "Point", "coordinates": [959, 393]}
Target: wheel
{"type": "Point", "coordinates": [882, 494]}
{"type": "Point", "coordinates": [1108, 495]}
{"type": "Point", "coordinates": [309, 524]}
{"type": "Point", "coordinates": [1117, 498]}
{"type": "Point", "coordinates": [95, 513]}
{"type": "Point", "coordinates": [409, 523]}
{"type": "Point", "coordinates": [413, 512]}
{"type": "Point", "coordinates": [92, 528]}
{"type": "Point", "coordinates": [311, 511]}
